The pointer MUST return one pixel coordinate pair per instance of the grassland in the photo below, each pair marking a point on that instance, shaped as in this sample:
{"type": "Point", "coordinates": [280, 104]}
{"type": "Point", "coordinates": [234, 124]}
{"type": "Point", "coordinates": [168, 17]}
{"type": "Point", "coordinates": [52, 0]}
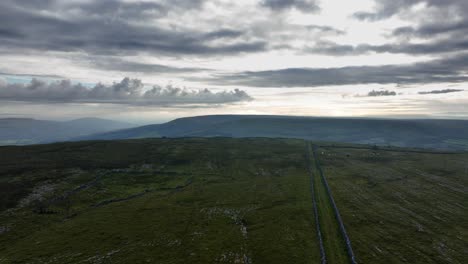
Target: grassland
{"type": "Point", "coordinates": [159, 201]}
{"type": "Point", "coordinates": [226, 200]}
{"type": "Point", "coordinates": [333, 242]}
{"type": "Point", "coordinates": [400, 206]}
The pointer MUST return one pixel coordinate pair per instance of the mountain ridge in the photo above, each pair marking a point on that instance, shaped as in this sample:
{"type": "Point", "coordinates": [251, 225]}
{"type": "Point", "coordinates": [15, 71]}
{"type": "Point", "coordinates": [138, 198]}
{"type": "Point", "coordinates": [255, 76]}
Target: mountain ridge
{"type": "Point", "coordinates": [424, 133]}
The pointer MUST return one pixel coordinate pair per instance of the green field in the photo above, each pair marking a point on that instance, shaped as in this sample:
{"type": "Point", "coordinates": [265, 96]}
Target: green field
{"type": "Point", "coordinates": [335, 248]}
{"type": "Point", "coordinates": [226, 200]}
{"type": "Point", "coordinates": [399, 206]}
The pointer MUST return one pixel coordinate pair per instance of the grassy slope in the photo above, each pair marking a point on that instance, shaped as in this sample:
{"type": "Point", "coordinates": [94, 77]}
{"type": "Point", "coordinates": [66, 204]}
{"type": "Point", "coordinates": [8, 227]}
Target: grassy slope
{"type": "Point", "coordinates": [401, 207]}
{"type": "Point", "coordinates": [248, 201]}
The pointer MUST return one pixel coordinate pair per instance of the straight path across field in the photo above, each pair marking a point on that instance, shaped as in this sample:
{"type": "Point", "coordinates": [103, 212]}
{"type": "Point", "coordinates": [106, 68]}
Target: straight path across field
{"type": "Point", "coordinates": [312, 175]}
{"type": "Point", "coordinates": [335, 240]}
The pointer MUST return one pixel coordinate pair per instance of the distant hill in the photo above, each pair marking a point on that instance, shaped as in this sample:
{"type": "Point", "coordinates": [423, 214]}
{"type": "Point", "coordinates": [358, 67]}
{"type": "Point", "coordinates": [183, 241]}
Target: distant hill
{"type": "Point", "coordinates": [22, 131]}
{"type": "Point", "coordinates": [421, 133]}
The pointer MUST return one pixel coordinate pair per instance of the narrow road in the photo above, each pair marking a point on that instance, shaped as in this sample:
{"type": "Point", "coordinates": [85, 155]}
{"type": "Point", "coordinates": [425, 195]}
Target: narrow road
{"type": "Point", "coordinates": [323, 257]}
{"type": "Point", "coordinates": [336, 241]}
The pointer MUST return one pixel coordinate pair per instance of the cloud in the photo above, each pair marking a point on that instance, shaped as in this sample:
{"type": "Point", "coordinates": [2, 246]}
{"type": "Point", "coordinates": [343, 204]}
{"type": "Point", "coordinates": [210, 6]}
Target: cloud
{"type": "Point", "coordinates": [438, 25]}
{"type": "Point", "coordinates": [128, 91]}
{"type": "Point", "coordinates": [118, 64]}
{"type": "Point", "coordinates": [224, 33]}
{"type": "Point", "coordinates": [325, 29]}
{"type": "Point", "coordinates": [114, 9]}
{"type": "Point", "coordinates": [375, 93]}
{"type": "Point", "coordinates": [389, 8]}
{"type": "Point", "coordinates": [432, 29]}
{"type": "Point", "coordinates": [450, 69]}
{"type": "Point", "coordinates": [29, 75]}
{"type": "Point", "coordinates": [441, 91]}
{"type": "Point", "coordinates": [436, 47]}
{"type": "Point", "coordinates": [366, 16]}
{"type": "Point", "coordinates": [301, 5]}
{"type": "Point", "coordinates": [114, 27]}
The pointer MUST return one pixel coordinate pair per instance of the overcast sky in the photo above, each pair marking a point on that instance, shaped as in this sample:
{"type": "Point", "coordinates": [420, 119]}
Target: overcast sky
{"type": "Point", "coordinates": [152, 61]}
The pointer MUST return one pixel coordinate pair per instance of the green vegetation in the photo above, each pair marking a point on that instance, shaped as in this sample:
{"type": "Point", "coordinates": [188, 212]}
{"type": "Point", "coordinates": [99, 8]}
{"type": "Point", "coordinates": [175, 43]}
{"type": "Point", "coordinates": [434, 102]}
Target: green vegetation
{"type": "Point", "coordinates": [224, 200]}
{"type": "Point", "coordinates": [159, 201]}
{"type": "Point", "coordinates": [399, 206]}
{"type": "Point", "coordinates": [335, 248]}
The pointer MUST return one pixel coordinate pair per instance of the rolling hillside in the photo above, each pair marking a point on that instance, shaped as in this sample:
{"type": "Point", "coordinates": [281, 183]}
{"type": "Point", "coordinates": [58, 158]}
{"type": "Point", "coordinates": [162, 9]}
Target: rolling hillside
{"type": "Point", "coordinates": [440, 134]}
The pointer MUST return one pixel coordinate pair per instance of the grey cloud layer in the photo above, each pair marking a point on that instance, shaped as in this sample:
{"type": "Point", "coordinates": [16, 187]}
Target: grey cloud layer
{"type": "Point", "coordinates": [433, 29]}
{"type": "Point", "coordinates": [128, 91]}
{"type": "Point", "coordinates": [436, 47]}
{"type": "Point", "coordinates": [388, 8]}
{"type": "Point", "coordinates": [302, 5]}
{"type": "Point", "coordinates": [111, 26]}
{"type": "Point", "coordinates": [109, 30]}
{"type": "Point", "coordinates": [117, 64]}
{"type": "Point", "coordinates": [136, 10]}
{"type": "Point", "coordinates": [120, 27]}
{"type": "Point", "coordinates": [453, 69]}
{"type": "Point", "coordinates": [444, 91]}
{"type": "Point", "coordinates": [442, 27]}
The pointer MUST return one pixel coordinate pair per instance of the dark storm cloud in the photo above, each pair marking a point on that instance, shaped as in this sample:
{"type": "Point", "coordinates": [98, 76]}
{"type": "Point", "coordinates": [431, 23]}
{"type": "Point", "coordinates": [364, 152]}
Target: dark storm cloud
{"type": "Point", "coordinates": [301, 5]}
{"type": "Point", "coordinates": [106, 28]}
{"type": "Point", "coordinates": [128, 91]}
{"type": "Point", "coordinates": [442, 91]}
{"type": "Point", "coordinates": [451, 69]}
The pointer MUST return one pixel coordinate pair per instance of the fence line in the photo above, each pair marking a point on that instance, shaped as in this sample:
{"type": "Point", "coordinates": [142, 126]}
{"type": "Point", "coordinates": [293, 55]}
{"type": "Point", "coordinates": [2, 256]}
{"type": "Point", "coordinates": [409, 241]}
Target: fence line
{"type": "Point", "coordinates": [349, 248]}
{"type": "Point", "coordinates": [323, 257]}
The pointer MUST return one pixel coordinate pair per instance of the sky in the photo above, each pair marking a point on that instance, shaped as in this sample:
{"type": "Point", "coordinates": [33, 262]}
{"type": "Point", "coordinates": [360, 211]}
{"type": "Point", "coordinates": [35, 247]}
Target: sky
{"type": "Point", "coordinates": [153, 61]}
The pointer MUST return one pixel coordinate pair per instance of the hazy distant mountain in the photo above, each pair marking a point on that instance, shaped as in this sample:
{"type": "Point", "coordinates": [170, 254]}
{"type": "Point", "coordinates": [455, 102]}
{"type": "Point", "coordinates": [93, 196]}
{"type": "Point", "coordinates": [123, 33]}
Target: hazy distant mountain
{"type": "Point", "coordinates": [20, 131]}
{"type": "Point", "coordinates": [442, 134]}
